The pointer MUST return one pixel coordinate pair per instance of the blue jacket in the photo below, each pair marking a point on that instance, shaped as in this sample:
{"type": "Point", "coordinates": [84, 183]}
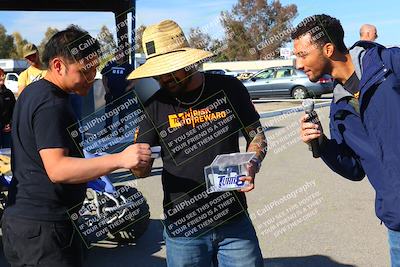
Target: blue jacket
{"type": "Point", "coordinates": [368, 141]}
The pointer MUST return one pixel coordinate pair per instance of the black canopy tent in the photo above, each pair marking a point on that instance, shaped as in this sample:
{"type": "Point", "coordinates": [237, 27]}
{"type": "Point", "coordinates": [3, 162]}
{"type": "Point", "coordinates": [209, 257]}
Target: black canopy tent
{"type": "Point", "coordinates": [120, 8]}
{"type": "Point", "coordinates": [66, 5]}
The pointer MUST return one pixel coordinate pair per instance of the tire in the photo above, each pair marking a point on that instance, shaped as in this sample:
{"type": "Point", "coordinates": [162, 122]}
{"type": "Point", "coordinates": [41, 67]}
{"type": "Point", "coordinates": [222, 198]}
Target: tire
{"type": "Point", "coordinates": [129, 231]}
{"type": "Point", "coordinates": [135, 230]}
{"type": "Point", "coordinates": [3, 201]}
{"type": "Point", "coordinates": [299, 92]}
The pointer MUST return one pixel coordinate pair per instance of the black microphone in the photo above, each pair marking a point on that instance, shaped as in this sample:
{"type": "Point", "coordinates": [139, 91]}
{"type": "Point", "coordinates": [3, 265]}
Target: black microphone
{"type": "Point", "coordinates": [308, 106]}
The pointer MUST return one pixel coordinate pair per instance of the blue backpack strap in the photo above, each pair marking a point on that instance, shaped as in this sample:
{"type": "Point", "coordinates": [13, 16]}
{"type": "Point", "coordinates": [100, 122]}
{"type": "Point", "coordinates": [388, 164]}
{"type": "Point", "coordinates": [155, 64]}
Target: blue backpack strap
{"type": "Point", "coordinates": [391, 58]}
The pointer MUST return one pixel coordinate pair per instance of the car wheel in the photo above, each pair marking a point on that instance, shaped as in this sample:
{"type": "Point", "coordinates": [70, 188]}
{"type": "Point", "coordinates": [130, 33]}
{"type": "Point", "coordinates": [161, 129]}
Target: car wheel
{"type": "Point", "coordinates": [299, 92]}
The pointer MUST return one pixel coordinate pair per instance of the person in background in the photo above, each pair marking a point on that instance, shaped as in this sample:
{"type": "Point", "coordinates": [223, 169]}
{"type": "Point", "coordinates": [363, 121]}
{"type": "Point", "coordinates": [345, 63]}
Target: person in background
{"type": "Point", "coordinates": [115, 84]}
{"type": "Point", "coordinates": [34, 72]}
{"type": "Point", "coordinates": [368, 32]}
{"type": "Point", "coordinates": [7, 103]}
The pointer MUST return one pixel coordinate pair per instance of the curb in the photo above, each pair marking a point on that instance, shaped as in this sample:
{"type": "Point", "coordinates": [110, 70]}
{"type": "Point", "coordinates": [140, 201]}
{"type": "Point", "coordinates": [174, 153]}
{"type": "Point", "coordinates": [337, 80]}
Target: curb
{"type": "Point", "coordinates": [289, 110]}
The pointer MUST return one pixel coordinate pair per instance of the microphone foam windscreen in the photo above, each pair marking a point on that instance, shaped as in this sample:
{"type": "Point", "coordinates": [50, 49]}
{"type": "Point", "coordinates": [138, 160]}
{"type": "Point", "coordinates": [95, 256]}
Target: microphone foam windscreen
{"type": "Point", "coordinates": [308, 105]}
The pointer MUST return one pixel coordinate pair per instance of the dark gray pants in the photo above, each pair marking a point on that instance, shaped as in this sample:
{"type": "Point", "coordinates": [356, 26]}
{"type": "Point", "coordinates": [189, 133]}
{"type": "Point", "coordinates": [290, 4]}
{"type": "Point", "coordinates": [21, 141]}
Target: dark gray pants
{"type": "Point", "coordinates": [39, 243]}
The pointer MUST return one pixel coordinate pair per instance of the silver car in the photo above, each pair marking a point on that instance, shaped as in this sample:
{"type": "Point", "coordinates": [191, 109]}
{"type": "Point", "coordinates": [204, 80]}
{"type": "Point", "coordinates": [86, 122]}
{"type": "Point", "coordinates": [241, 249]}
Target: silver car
{"type": "Point", "coordinates": [286, 81]}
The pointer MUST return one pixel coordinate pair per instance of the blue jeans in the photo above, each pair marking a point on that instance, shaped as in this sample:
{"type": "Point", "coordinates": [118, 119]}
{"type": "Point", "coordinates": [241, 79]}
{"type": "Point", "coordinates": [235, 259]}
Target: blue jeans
{"type": "Point", "coordinates": [234, 244]}
{"type": "Point", "coordinates": [394, 242]}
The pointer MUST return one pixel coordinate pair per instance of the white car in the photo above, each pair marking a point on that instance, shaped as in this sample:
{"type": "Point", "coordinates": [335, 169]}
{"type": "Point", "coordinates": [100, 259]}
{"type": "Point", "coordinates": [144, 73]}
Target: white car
{"type": "Point", "coordinates": [222, 72]}
{"type": "Point", "coordinates": [11, 82]}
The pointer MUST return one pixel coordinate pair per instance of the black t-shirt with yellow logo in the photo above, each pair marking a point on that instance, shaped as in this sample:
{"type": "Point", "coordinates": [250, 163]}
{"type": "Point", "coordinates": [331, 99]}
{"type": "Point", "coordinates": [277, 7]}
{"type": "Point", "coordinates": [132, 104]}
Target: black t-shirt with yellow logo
{"type": "Point", "coordinates": [191, 136]}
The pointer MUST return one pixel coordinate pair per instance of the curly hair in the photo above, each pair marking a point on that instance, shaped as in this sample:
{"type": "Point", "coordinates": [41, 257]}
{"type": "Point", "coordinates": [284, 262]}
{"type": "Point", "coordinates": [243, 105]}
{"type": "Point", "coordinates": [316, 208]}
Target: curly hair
{"type": "Point", "coordinates": [323, 29]}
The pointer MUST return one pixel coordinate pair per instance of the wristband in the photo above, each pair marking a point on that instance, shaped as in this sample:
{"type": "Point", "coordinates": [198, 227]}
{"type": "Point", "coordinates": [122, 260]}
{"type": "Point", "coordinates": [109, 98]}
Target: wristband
{"type": "Point", "coordinates": [256, 163]}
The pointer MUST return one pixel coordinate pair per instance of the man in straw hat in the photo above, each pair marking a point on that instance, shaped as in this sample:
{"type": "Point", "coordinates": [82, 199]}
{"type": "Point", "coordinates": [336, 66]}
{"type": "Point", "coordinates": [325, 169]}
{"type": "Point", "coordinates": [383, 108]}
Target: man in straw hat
{"type": "Point", "coordinates": [195, 117]}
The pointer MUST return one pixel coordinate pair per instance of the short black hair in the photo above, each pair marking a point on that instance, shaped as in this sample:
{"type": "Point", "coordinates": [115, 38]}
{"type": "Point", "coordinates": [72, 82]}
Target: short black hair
{"type": "Point", "coordinates": [323, 29]}
{"type": "Point", "coordinates": [73, 44]}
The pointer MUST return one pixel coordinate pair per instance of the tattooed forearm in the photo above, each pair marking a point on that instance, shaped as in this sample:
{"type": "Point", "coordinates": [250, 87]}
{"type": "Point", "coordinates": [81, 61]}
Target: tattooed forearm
{"type": "Point", "coordinates": [256, 140]}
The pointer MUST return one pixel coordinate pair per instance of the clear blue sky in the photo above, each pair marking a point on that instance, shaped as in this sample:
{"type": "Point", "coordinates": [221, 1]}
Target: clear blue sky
{"type": "Point", "coordinates": [352, 13]}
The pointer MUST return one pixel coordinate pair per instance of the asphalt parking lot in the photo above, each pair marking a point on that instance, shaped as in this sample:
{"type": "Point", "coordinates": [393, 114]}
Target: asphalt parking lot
{"type": "Point", "coordinates": [329, 223]}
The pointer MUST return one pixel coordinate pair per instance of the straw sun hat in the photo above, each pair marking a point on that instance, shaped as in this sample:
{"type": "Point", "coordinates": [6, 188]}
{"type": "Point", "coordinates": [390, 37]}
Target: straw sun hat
{"type": "Point", "coordinates": [166, 50]}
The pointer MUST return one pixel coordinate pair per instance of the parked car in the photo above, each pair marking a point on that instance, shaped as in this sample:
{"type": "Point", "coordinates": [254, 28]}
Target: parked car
{"type": "Point", "coordinates": [245, 75]}
{"type": "Point", "coordinates": [222, 72]}
{"type": "Point", "coordinates": [11, 82]}
{"type": "Point", "coordinates": [286, 81]}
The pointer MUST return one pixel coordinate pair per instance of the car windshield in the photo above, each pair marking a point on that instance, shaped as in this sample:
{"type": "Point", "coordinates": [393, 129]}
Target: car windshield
{"type": "Point", "coordinates": [264, 75]}
{"type": "Point", "coordinates": [282, 73]}
{"type": "Point", "coordinates": [12, 77]}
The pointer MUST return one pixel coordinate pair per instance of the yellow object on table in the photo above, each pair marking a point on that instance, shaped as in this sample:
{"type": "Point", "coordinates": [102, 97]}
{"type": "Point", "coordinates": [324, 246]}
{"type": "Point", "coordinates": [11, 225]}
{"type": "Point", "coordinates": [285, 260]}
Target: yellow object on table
{"type": "Point", "coordinates": [5, 166]}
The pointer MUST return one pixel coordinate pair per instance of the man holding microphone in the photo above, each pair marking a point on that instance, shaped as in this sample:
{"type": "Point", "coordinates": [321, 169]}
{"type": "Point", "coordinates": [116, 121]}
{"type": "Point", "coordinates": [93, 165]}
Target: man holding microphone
{"type": "Point", "coordinates": [364, 114]}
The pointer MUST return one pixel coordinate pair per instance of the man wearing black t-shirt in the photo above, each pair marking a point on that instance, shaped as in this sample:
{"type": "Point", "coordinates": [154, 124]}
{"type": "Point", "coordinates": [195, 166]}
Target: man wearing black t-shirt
{"type": "Point", "coordinates": [195, 117]}
{"type": "Point", "coordinates": [49, 175]}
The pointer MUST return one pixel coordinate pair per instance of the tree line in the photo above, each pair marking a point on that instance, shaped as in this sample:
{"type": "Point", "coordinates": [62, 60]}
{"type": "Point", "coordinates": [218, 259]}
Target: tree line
{"type": "Point", "coordinates": [251, 30]}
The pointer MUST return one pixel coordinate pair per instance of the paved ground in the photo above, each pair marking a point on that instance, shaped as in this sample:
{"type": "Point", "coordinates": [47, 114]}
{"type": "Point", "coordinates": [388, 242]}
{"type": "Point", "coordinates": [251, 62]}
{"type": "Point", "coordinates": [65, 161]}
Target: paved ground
{"type": "Point", "coordinates": [273, 104]}
{"type": "Point", "coordinates": [333, 223]}
{"type": "Point", "coordinates": [319, 218]}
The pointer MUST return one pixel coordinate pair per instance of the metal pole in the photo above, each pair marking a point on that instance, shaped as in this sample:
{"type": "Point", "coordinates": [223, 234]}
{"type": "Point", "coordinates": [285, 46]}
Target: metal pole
{"type": "Point", "coordinates": [133, 33]}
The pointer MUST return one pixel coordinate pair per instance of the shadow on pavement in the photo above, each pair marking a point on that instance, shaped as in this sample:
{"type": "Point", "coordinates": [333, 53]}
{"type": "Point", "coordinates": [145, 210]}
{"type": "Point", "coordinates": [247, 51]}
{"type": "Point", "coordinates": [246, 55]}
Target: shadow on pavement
{"type": "Point", "coordinates": [307, 261]}
{"type": "Point", "coordinates": [138, 255]}
{"type": "Point", "coordinates": [125, 176]}
{"type": "Point", "coordinates": [269, 128]}
{"type": "Point", "coordinates": [3, 261]}
{"type": "Point", "coordinates": [156, 171]}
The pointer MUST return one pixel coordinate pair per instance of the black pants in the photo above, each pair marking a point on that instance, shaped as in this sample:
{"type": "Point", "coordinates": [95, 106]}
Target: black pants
{"type": "Point", "coordinates": [38, 243]}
